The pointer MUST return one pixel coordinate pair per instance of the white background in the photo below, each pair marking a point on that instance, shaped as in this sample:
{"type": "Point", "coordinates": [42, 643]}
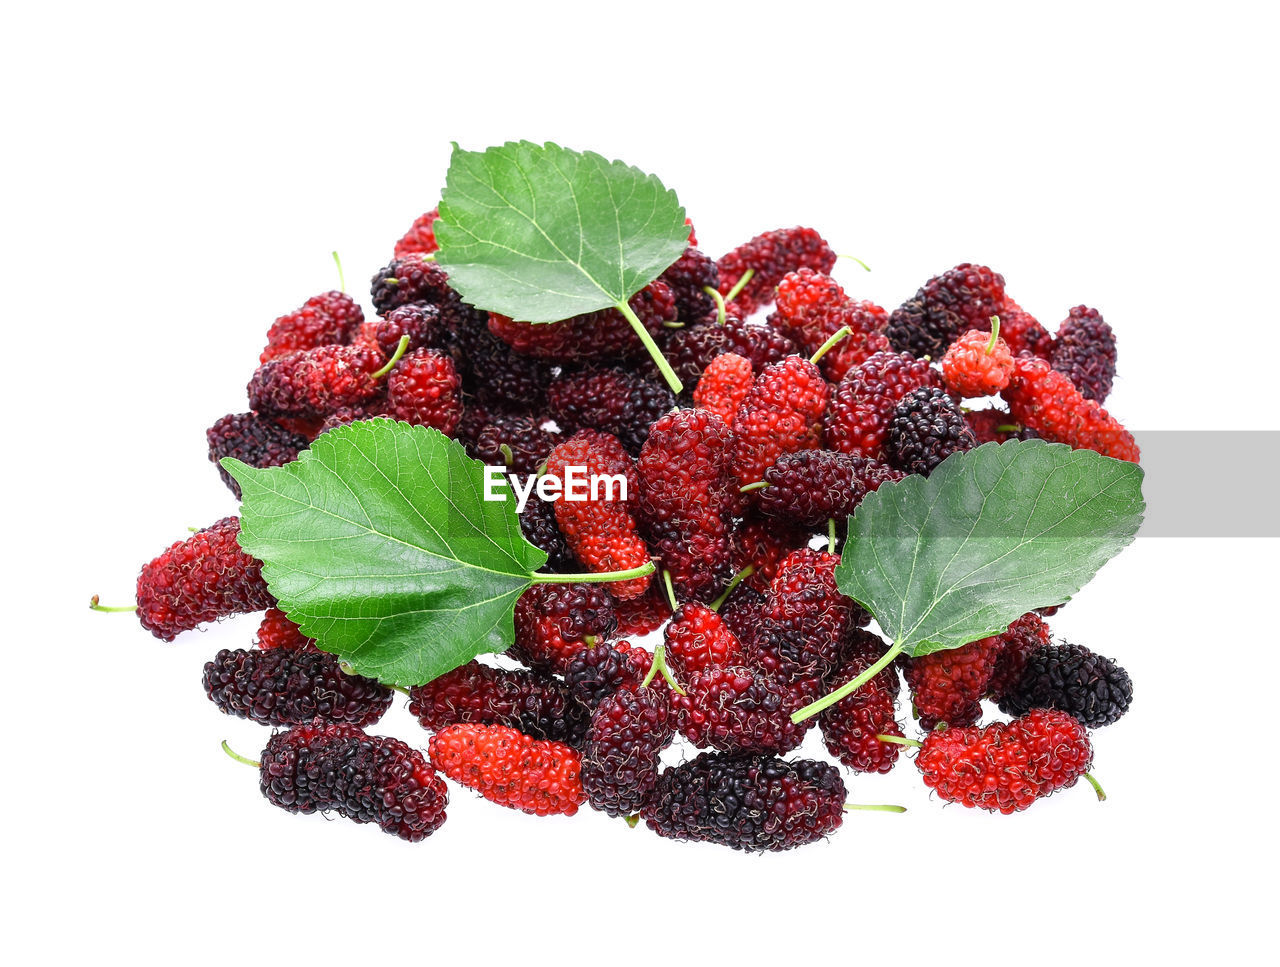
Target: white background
{"type": "Point", "coordinates": [176, 177]}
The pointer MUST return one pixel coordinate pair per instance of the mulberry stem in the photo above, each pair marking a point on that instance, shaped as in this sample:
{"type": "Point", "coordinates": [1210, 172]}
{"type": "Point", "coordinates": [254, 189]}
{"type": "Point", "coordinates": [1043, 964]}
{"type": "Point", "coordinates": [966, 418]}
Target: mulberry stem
{"type": "Point", "coordinates": [631, 820]}
{"type": "Point", "coordinates": [1097, 787]}
{"type": "Point", "coordinates": [758, 485]}
{"type": "Point", "coordinates": [826, 346]}
{"type": "Point", "coordinates": [95, 606]}
{"type": "Point", "coordinates": [899, 740]}
{"type": "Point", "coordinates": [508, 458]}
{"type": "Point", "coordinates": [995, 335]}
{"type": "Point", "coordinates": [342, 279]}
{"type": "Point", "coordinates": [855, 258]}
{"type": "Point", "coordinates": [664, 367]}
{"type": "Point", "coordinates": [395, 358]}
{"type": "Point", "coordinates": [238, 757]}
{"type": "Point", "coordinates": [831, 535]}
{"type": "Point", "coordinates": [659, 665]}
{"type": "Point", "coordinates": [719, 301]}
{"type": "Point", "coordinates": [734, 581]}
{"type": "Point", "coordinates": [739, 285]}
{"type": "Point", "coordinates": [595, 577]}
{"type": "Point", "coordinates": [671, 593]}
{"type": "Point", "coordinates": [813, 708]}
{"type": "Point", "coordinates": [886, 808]}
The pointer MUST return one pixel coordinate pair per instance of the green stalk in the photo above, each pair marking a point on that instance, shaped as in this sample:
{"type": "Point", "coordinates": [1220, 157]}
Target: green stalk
{"type": "Point", "coordinates": [1097, 787]}
{"type": "Point", "coordinates": [856, 806]}
{"type": "Point", "coordinates": [899, 740]}
{"type": "Point", "coordinates": [995, 334]}
{"type": "Point", "coordinates": [395, 358]}
{"type": "Point", "coordinates": [734, 581]}
{"type": "Point", "coordinates": [671, 592]}
{"type": "Point", "coordinates": [719, 301]}
{"type": "Point", "coordinates": [739, 285]}
{"type": "Point", "coordinates": [95, 606]}
{"type": "Point", "coordinates": [854, 258]}
{"type": "Point", "coordinates": [595, 577]}
{"type": "Point", "coordinates": [831, 535]}
{"type": "Point", "coordinates": [238, 757]}
{"type": "Point", "coordinates": [664, 367]}
{"type": "Point", "coordinates": [826, 346]}
{"type": "Point", "coordinates": [342, 279]}
{"type": "Point", "coordinates": [813, 708]}
{"type": "Point", "coordinates": [758, 485]}
{"type": "Point", "coordinates": [660, 666]}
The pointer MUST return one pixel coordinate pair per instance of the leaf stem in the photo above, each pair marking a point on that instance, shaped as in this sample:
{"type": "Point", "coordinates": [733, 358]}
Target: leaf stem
{"type": "Point", "coordinates": [660, 360]}
{"type": "Point", "coordinates": [595, 577]}
{"type": "Point", "coordinates": [899, 740]}
{"type": "Point", "coordinates": [885, 808]}
{"type": "Point", "coordinates": [758, 485]}
{"type": "Point", "coordinates": [738, 286]}
{"type": "Point", "coordinates": [813, 708]}
{"type": "Point", "coordinates": [734, 581]}
{"type": "Point", "coordinates": [719, 301]}
{"type": "Point", "coordinates": [342, 279]}
{"type": "Point", "coordinates": [238, 757]}
{"type": "Point", "coordinates": [95, 606]}
{"type": "Point", "coordinates": [826, 346]}
{"type": "Point", "coordinates": [671, 593]}
{"type": "Point", "coordinates": [395, 357]}
{"type": "Point", "coordinates": [1097, 787]}
{"type": "Point", "coordinates": [995, 335]}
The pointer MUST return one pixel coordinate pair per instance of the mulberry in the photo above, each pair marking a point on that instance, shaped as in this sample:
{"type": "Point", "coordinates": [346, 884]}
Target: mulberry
{"type": "Point", "coordinates": [946, 685]}
{"type": "Point", "coordinates": [420, 239]}
{"type": "Point", "coordinates": [254, 440]}
{"type": "Point", "coordinates": [1085, 351]}
{"type": "Point", "coordinates": [596, 673]}
{"type": "Point", "coordinates": [365, 778]}
{"type": "Point", "coordinates": [724, 385]}
{"type": "Point", "coordinates": [620, 764]}
{"type": "Point", "coordinates": [277, 631]}
{"type": "Point", "coordinates": [292, 686]}
{"type": "Point", "coordinates": [743, 709]}
{"type": "Point", "coordinates": [770, 256]}
{"type": "Point", "coordinates": [331, 318]}
{"type": "Point", "coordinates": [851, 726]}
{"type": "Point", "coordinates": [1046, 401]}
{"type": "Point", "coordinates": [596, 335]}
{"type": "Point", "coordinates": [812, 308]}
{"type": "Point", "coordinates": [510, 768]}
{"type": "Point", "coordinates": [554, 621]}
{"type": "Point", "coordinates": [962, 298]}
{"type": "Point", "coordinates": [408, 279]}
{"type": "Point", "coordinates": [537, 705]}
{"type": "Point", "coordinates": [697, 638]}
{"type": "Point", "coordinates": [615, 401]}
{"type": "Point", "coordinates": [812, 487]}
{"type": "Point", "coordinates": [863, 402]}
{"type": "Point", "coordinates": [927, 427]}
{"type": "Point", "coordinates": [312, 383]}
{"type": "Point", "coordinates": [1072, 679]}
{"type": "Point", "coordinates": [424, 389]}
{"type": "Point", "coordinates": [201, 579]}
{"type": "Point", "coordinates": [782, 413]}
{"type": "Point", "coordinates": [747, 802]}
{"type": "Point", "coordinates": [689, 277]}
{"type": "Point", "coordinates": [977, 364]}
{"type": "Point", "coordinates": [1006, 766]}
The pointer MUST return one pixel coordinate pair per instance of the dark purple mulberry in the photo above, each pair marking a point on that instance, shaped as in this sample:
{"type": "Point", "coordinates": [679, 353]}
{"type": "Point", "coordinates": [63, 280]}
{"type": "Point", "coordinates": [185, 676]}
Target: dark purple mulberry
{"type": "Point", "coordinates": [254, 440]}
{"type": "Point", "coordinates": [956, 301]}
{"type": "Point", "coordinates": [292, 686]}
{"type": "Point", "coordinates": [927, 427]}
{"type": "Point", "coordinates": [620, 762]}
{"type": "Point", "coordinates": [1085, 351]}
{"type": "Point", "coordinates": [741, 709]}
{"type": "Point", "coordinates": [616, 401]}
{"type": "Point", "coordinates": [688, 277]}
{"type": "Point", "coordinates": [747, 802]}
{"type": "Point", "coordinates": [366, 778]}
{"type": "Point", "coordinates": [596, 673]}
{"type": "Point", "coordinates": [1072, 679]}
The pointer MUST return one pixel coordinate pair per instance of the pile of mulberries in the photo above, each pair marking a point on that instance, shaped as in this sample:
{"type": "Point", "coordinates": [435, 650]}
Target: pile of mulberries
{"type": "Point", "coordinates": [737, 489]}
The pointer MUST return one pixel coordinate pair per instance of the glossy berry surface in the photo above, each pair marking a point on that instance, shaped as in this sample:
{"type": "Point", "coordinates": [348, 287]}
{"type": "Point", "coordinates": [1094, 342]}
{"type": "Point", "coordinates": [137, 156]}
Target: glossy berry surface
{"type": "Point", "coordinates": [424, 390]}
{"type": "Point", "coordinates": [962, 298]}
{"type": "Point", "coordinates": [511, 769]}
{"type": "Point", "coordinates": [251, 439]}
{"type": "Point", "coordinates": [772, 255]}
{"type": "Point", "coordinates": [554, 621]}
{"type": "Point", "coordinates": [781, 413]}
{"type": "Point", "coordinates": [972, 366]}
{"type": "Point", "coordinates": [862, 404]}
{"type": "Point", "coordinates": [1072, 679]}
{"type": "Point", "coordinates": [927, 427]}
{"type": "Point", "coordinates": [1084, 350]}
{"type": "Point", "coordinates": [620, 763]}
{"type": "Point", "coordinates": [1048, 402]}
{"type": "Point", "coordinates": [330, 318]}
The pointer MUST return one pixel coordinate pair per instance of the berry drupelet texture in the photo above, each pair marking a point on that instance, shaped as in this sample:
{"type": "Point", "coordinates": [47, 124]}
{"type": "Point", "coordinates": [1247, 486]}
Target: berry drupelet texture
{"type": "Point", "coordinates": [601, 532]}
{"type": "Point", "coordinates": [1072, 679]}
{"type": "Point", "coordinates": [330, 318]}
{"type": "Point", "coordinates": [965, 297]}
{"type": "Point", "coordinates": [277, 631]}
{"type": "Point", "coordinates": [596, 673]}
{"type": "Point", "coordinates": [812, 487]}
{"type": "Point", "coordinates": [975, 366]}
{"type": "Point", "coordinates": [420, 321]}
{"type": "Point", "coordinates": [410, 279]}
{"type": "Point", "coordinates": [686, 498]}
{"type": "Point", "coordinates": [1006, 766]}
{"type": "Point", "coordinates": [629, 729]}
{"type": "Point", "coordinates": [510, 768]}
{"type": "Point", "coordinates": [203, 578]}
{"type": "Point", "coordinates": [527, 444]}
{"type": "Point", "coordinates": [554, 621]}
{"type": "Point", "coordinates": [771, 255]}
{"type": "Point", "coordinates": [747, 802]}
{"type": "Point", "coordinates": [424, 389]}
{"type": "Point", "coordinates": [927, 427]}
{"type": "Point", "coordinates": [1047, 401]}
{"type": "Point", "coordinates": [781, 413]}
{"type": "Point", "coordinates": [723, 386]}
{"type": "Point", "coordinates": [538, 524]}
{"type": "Point", "coordinates": [312, 383]}
{"type": "Point", "coordinates": [946, 686]}
{"type": "Point", "coordinates": [292, 686]}
{"type": "Point", "coordinates": [639, 616]}
{"type": "Point", "coordinates": [862, 403]}
{"type": "Point", "coordinates": [617, 401]}
{"type": "Point", "coordinates": [420, 239]}
{"type": "Point", "coordinates": [762, 544]}
{"type": "Point", "coordinates": [1024, 636]}
{"type": "Point", "coordinates": [812, 307]}
{"type": "Point", "coordinates": [849, 728]}
{"type": "Point", "coordinates": [738, 708]}
{"type": "Point", "coordinates": [697, 638]}
{"type": "Point", "coordinates": [1023, 332]}
{"type": "Point", "coordinates": [495, 373]}
{"type": "Point", "coordinates": [597, 335]}
{"type": "Point", "coordinates": [535, 704]}
{"type": "Point", "coordinates": [688, 278]}
{"type": "Point", "coordinates": [254, 440]}
{"type": "Point", "coordinates": [1085, 351]}
{"type": "Point", "coordinates": [365, 778]}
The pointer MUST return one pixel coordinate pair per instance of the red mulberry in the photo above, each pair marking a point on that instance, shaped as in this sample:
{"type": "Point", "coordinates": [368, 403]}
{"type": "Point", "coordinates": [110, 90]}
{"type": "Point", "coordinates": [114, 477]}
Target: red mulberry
{"type": "Point", "coordinates": [277, 631]}
{"type": "Point", "coordinates": [743, 709]}
{"type": "Point", "coordinates": [724, 385]}
{"type": "Point", "coordinates": [312, 383]}
{"type": "Point", "coordinates": [812, 308]}
{"type": "Point", "coordinates": [331, 318]}
{"type": "Point", "coordinates": [771, 256]}
{"type": "Point", "coordinates": [204, 578]}
{"type": "Point", "coordinates": [697, 638]}
{"type": "Point", "coordinates": [863, 402]}
{"type": "Point", "coordinates": [1046, 401]}
{"type": "Point", "coordinates": [977, 365]}
{"type": "Point", "coordinates": [420, 239]}
{"type": "Point", "coordinates": [424, 390]}
{"type": "Point", "coordinates": [554, 621]}
{"type": "Point", "coordinates": [510, 768]}
{"type": "Point", "coordinates": [782, 413]}
{"type": "Point", "coordinates": [962, 298]}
